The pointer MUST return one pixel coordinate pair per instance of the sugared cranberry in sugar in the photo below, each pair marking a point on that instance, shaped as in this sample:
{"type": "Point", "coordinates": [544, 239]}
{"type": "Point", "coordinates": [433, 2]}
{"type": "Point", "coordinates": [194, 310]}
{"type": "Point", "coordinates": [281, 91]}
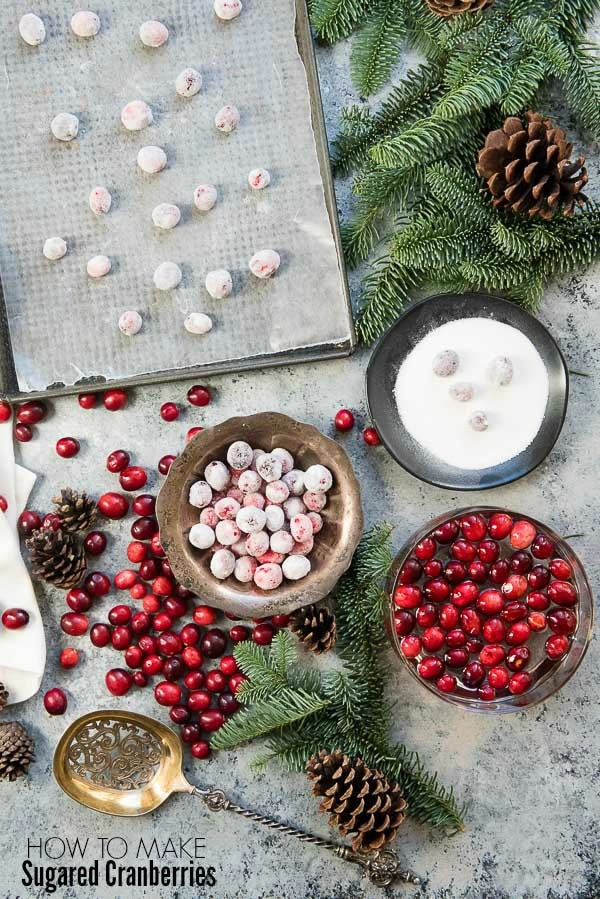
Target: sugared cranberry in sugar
{"type": "Point", "coordinates": [55, 701]}
{"type": "Point", "coordinates": [455, 571]}
{"type": "Point", "coordinates": [114, 400]}
{"type": "Point", "coordinates": [190, 733]}
{"type": "Point", "coordinates": [542, 547]}
{"type": "Point", "coordinates": [117, 461]}
{"type": "Point", "coordinates": [430, 667]}
{"type": "Point", "coordinates": [437, 589]}
{"type": "Point", "coordinates": [169, 411]}
{"type": "Point", "coordinates": [463, 550]}
{"type": "Point", "coordinates": [263, 634]}
{"type": "Point", "coordinates": [518, 633]}
{"type": "Point", "coordinates": [473, 674]}
{"type": "Point", "coordinates": [14, 619]}
{"type": "Point", "coordinates": [410, 572]}
{"type": "Point", "coordinates": [486, 692]}
{"type": "Point", "coordinates": [433, 568]}
{"type": "Point", "coordinates": [520, 682]}
{"type": "Point", "coordinates": [425, 549]}
{"type": "Point", "coordinates": [407, 596]}
{"type": "Point", "coordinates": [133, 478]}
{"type": "Point", "coordinates": [205, 616]}
{"type": "Point", "coordinates": [344, 420]}
{"type": "Point", "coordinates": [165, 462]}
{"type": "Point", "coordinates": [499, 571]}
{"type": "Point", "coordinates": [522, 534]}
{"type": "Point", "coordinates": [144, 504]}
{"type": "Point", "coordinates": [87, 400]}
{"type": "Point", "coordinates": [446, 532]}
{"type": "Point", "coordinates": [473, 527]}
{"type": "Point", "coordinates": [69, 657]}
{"type": "Point", "coordinates": [95, 543]}
{"type": "Point", "coordinates": [514, 611]}
{"type": "Point", "coordinates": [518, 657]}
{"type": "Point", "coordinates": [228, 703]}
{"type": "Point", "coordinates": [514, 586]}
{"type": "Point", "coordinates": [557, 646]}
{"type": "Point", "coordinates": [198, 396]}
{"type": "Point", "coordinates": [97, 583]}
{"type": "Point", "coordinates": [74, 624]}
{"type": "Point", "coordinates": [561, 570]}
{"type": "Point", "coordinates": [520, 562]}
{"type": "Point", "coordinates": [67, 447]}
{"type": "Point", "coordinates": [538, 577]}
{"type": "Point", "coordinates": [426, 615]}
{"type": "Point", "coordinates": [174, 668]}
{"type": "Point", "coordinates": [488, 551]}
{"type": "Point", "coordinates": [490, 602]}
{"type": "Point", "coordinates": [5, 411]}
{"type": "Point", "coordinates": [179, 714]}
{"type": "Point", "coordinates": [121, 637]}
{"type": "Point", "coordinates": [498, 678]}
{"type": "Point", "coordinates": [500, 525]}
{"type": "Point", "coordinates": [411, 646]}
{"type": "Point", "coordinates": [562, 621]}
{"type": "Point", "coordinates": [211, 719]}
{"type": "Point", "coordinates": [494, 630]}
{"type": "Point", "coordinates": [536, 621]}
{"type": "Point", "coordinates": [448, 616]}
{"type": "Point", "coordinates": [470, 621]}
{"type": "Point", "coordinates": [492, 654]}
{"type": "Point", "coordinates": [28, 522]}
{"type": "Point", "coordinates": [538, 601]}
{"type": "Point", "coordinates": [200, 749]}
{"type": "Point", "coordinates": [119, 681]}
{"type": "Point", "coordinates": [214, 643]}
{"type": "Point", "coordinates": [455, 638]}
{"type": "Point", "coordinates": [464, 594]}
{"type": "Point", "coordinates": [100, 634]}
{"type": "Point", "coordinates": [562, 593]}
{"type": "Point", "coordinates": [456, 658]}
{"type": "Point", "coordinates": [32, 413]}
{"type": "Point", "coordinates": [113, 505]}
{"type": "Point", "coordinates": [23, 433]}
{"type": "Point", "coordinates": [144, 528]}
{"type": "Point", "coordinates": [238, 633]}
{"type": "Point", "coordinates": [134, 656]}
{"type": "Point", "coordinates": [446, 683]}
{"type": "Point", "coordinates": [404, 622]}
{"type": "Point", "coordinates": [432, 639]}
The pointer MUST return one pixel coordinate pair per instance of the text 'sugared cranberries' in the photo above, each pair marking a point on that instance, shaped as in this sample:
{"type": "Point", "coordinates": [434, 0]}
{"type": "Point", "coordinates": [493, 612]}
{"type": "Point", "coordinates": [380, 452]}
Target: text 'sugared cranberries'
{"type": "Point", "coordinates": [411, 646]}
{"type": "Point", "coordinates": [28, 522]}
{"type": "Point", "coordinates": [562, 593]}
{"type": "Point", "coordinates": [518, 633]}
{"type": "Point", "coordinates": [198, 396]}
{"type": "Point", "coordinates": [407, 596]}
{"type": "Point", "coordinates": [536, 621]}
{"type": "Point", "coordinates": [55, 701]}
{"type": "Point", "coordinates": [410, 572]}
{"type": "Point", "coordinates": [371, 437]}
{"type": "Point", "coordinates": [446, 683]}
{"type": "Point", "coordinates": [32, 413]}
{"type": "Point", "coordinates": [430, 667]}
{"type": "Point", "coordinates": [518, 657]}
{"type": "Point", "coordinates": [473, 527]}
{"type": "Point", "coordinates": [119, 681]}
{"type": "Point", "coordinates": [169, 411]}
{"type": "Point", "coordinates": [514, 611]}
{"type": "Point", "coordinates": [520, 562]}
{"type": "Point", "coordinates": [437, 589]}
{"type": "Point", "coordinates": [494, 630]}
{"type": "Point", "coordinates": [490, 602]}
{"type": "Point", "coordinates": [514, 586]}
{"type": "Point", "coordinates": [114, 401]}
{"type": "Point", "coordinates": [520, 682]}
{"type": "Point", "coordinates": [455, 571]}
{"type": "Point", "coordinates": [491, 655]}
{"type": "Point", "coordinates": [344, 420]}
{"type": "Point", "coordinates": [488, 551]}
{"type": "Point", "coordinates": [263, 634]}
{"type": "Point", "coordinates": [87, 400]}
{"type": "Point", "coordinates": [144, 504]}
{"type": "Point", "coordinates": [5, 411]}
{"type": "Point", "coordinates": [471, 622]}
{"type": "Point", "coordinates": [165, 462]}
{"type": "Point", "coordinates": [542, 547]}
{"type": "Point", "coordinates": [446, 532]}
{"type": "Point", "coordinates": [522, 534]}
{"type": "Point", "coordinates": [432, 639]}
{"type": "Point", "coordinates": [561, 570]}
{"type": "Point", "coordinates": [133, 478]}
{"type": "Point", "coordinates": [464, 594]}
{"type": "Point", "coordinates": [69, 657]}
{"type": "Point", "coordinates": [74, 624]}
{"type": "Point", "coordinates": [473, 674]}
{"type": "Point", "coordinates": [14, 619]}
{"type": "Point", "coordinates": [500, 525]}
{"type": "Point", "coordinates": [113, 505]}
{"type": "Point", "coordinates": [167, 693]}
{"type": "Point", "coordinates": [562, 621]}
{"type": "Point", "coordinates": [498, 678]}
{"type": "Point", "coordinates": [97, 583]}
{"type": "Point", "coordinates": [67, 447]}
{"type": "Point", "coordinates": [100, 634]}
{"type": "Point", "coordinates": [425, 549]}
{"type": "Point", "coordinates": [95, 543]}
{"type": "Point", "coordinates": [457, 658]}
{"type": "Point", "coordinates": [448, 616]}
{"type": "Point", "coordinates": [426, 615]}
{"type": "Point", "coordinates": [557, 646]}
{"type": "Point", "coordinates": [211, 719]}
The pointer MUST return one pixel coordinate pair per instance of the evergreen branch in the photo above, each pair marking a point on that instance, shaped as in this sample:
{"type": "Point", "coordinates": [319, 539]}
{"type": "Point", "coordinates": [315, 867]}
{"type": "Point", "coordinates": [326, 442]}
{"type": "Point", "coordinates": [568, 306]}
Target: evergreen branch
{"type": "Point", "coordinates": [385, 293]}
{"type": "Point", "coordinates": [286, 706]}
{"type": "Point", "coordinates": [582, 88]}
{"type": "Point", "coordinates": [513, 240]}
{"type": "Point", "coordinates": [336, 19]}
{"type": "Point", "coordinates": [428, 243]}
{"type": "Point", "coordinates": [376, 47]}
{"type": "Point", "coordinates": [423, 140]}
{"type": "Point", "coordinates": [545, 39]}
{"type": "Point", "coordinates": [526, 72]}
{"type": "Point", "coordinates": [457, 190]}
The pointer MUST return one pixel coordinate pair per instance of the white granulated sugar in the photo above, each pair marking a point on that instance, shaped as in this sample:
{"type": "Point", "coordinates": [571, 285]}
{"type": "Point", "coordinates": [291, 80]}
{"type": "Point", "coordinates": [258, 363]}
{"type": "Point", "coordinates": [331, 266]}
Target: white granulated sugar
{"type": "Point", "coordinates": [514, 411]}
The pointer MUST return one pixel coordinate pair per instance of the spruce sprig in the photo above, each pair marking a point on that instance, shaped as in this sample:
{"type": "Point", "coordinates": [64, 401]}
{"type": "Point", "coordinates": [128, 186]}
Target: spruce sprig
{"type": "Point", "coordinates": [302, 712]}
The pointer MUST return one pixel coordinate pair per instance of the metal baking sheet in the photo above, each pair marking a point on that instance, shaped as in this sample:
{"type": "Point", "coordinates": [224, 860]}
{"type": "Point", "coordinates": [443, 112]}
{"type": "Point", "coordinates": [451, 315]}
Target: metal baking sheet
{"type": "Point", "coordinates": [60, 328]}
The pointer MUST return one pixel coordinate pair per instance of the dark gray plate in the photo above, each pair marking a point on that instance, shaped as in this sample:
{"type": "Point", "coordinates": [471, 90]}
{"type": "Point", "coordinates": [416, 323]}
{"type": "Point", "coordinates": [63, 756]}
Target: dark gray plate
{"type": "Point", "coordinates": [397, 343]}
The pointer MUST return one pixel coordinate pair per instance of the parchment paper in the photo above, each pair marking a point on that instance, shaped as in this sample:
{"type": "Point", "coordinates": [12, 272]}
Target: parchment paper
{"type": "Point", "coordinates": [63, 326]}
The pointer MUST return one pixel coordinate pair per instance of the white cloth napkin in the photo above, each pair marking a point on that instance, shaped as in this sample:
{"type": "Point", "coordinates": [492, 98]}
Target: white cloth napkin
{"type": "Point", "coordinates": [22, 652]}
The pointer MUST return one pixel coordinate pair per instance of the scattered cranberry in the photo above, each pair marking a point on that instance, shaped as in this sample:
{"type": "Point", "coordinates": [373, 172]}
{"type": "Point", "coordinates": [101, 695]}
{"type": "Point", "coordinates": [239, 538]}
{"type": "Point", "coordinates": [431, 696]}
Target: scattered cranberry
{"type": "Point", "coordinates": [192, 433]}
{"type": "Point", "coordinates": [522, 534]}
{"type": "Point", "coordinates": [465, 594]}
{"type": "Point", "coordinates": [488, 551]}
{"type": "Point", "coordinates": [562, 593]}
{"type": "Point", "coordinates": [125, 579]}
{"type": "Point", "coordinates": [200, 749]}
{"type": "Point", "coordinates": [538, 601]}
{"type": "Point", "coordinates": [411, 647]}
{"type": "Point", "coordinates": [542, 547]}
{"type": "Point", "coordinates": [164, 464]}
{"type": "Point", "coordinates": [492, 655]}
{"type": "Point", "coordinates": [433, 638]}
{"type": "Point", "coordinates": [97, 583]}
{"type": "Point", "coordinates": [518, 657]}
{"type": "Point", "coordinates": [156, 547]}
{"type": "Point", "coordinates": [100, 634]}
{"type": "Point", "coordinates": [561, 570]}
{"type": "Point", "coordinates": [121, 637]}
{"type": "Point", "coordinates": [117, 461]}
{"type": "Point", "coordinates": [557, 646]}
{"type": "Point", "coordinates": [95, 543]}
{"type": "Point", "coordinates": [430, 667]}
{"type": "Point", "coordinates": [198, 396]}
{"type": "Point", "coordinates": [173, 669]}
{"type": "Point", "coordinates": [140, 679]}
{"type": "Point", "coordinates": [119, 681]}
{"type": "Point", "coordinates": [536, 621]}
{"type": "Point", "coordinates": [23, 433]}
{"type": "Point", "coordinates": [211, 719]}
{"type": "Point", "coordinates": [228, 703]}
{"type": "Point", "coordinates": [150, 603]}
{"type": "Point", "coordinates": [455, 571]}
{"type": "Point", "coordinates": [520, 682]}
{"type": "Point", "coordinates": [499, 571]}
{"type": "Point", "coordinates": [215, 681]}
{"type": "Point", "coordinates": [239, 633]}
{"type": "Point", "coordinates": [446, 683]}
{"type": "Point", "coordinates": [562, 621]}
{"type": "Point", "coordinates": [235, 681]}
{"type": "Point", "coordinates": [490, 602]}
{"type": "Point", "coordinates": [410, 572]}
{"type": "Point", "coordinates": [5, 411]}
{"type": "Point", "coordinates": [28, 522]}
{"type": "Point", "coordinates": [120, 614]}
{"type": "Point", "coordinates": [51, 520]}
{"type": "Point", "coordinates": [473, 527]}
{"type": "Point", "coordinates": [446, 532]}
{"type": "Point", "coordinates": [514, 611]}
{"type": "Point", "coordinates": [137, 552]}
{"type": "Point", "coordinates": [14, 619]}
{"type": "Point", "coordinates": [463, 550]}
{"type": "Point", "coordinates": [426, 615]}
{"type": "Point", "coordinates": [152, 664]}
{"type": "Point", "coordinates": [67, 447]}
{"type": "Point", "coordinates": [344, 420]}
{"type": "Point", "coordinates": [199, 700]}
{"type": "Point", "coordinates": [500, 525]}
{"type": "Point", "coordinates": [169, 643]}
{"type": "Point", "coordinates": [494, 630]}
{"type": "Point", "coordinates": [473, 674]}
{"type": "Point", "coordinates": [425, 549]}
{"type": "Point", "coordinates": [3, 504]}
{"type": "Point", "coordinates": [190, 634]}
{"type": "Point", "coordinates": [371, 437]}
{"type": "Point", "coordinates": [69, 657]}
{"type": "Point", "coordinates": [263, 634]}
{"type": "Point", "coordinates": [456, 658]}
{"type": "Point", "coordinates": [190, 733]}
{"type": "Point", "coordinates": [134, 656]}
{"type": "Point", "coordinates": [114, 401]}
{"type": "Point", "coordinates": [144, 528]}
{"type": "Point", "coordinates": [87, 400]}
{"type": "Point", "coordinates": [228, 665]}
{"type": "Point", "coordinates": [74, 624]}
{"type": "Point", "coordinates": [169, 411]}
{"type": "Point", "coordinates": [407, 596]}
{"type": "Point", "coordinates": [515, 586]}
{"type": "Point", "coordinates": [113, 505]}
{"type": "Point", "coordinates": [32, 413]}
{"type": "Point", "coordinates": [144, 505]}
{"type": "Point", "coordinates": [139, 591]}
{"type": "Point", "coordinates": [55, 701]}
{"type": "Point", "coordinates": [437, 589]}
{"type": "Point", "coordinates": [498, 678]}
{"type": "Point", "coordinates": [147, 644]}
{"type": "Point", "coordinates": [520, 562]}
{"type": "Point", "coordinates": [133, 478]}
{"type": "Point", "coordinates": [167, 693]}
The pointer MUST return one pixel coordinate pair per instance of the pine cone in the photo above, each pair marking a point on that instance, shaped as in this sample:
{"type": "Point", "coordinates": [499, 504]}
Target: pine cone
{"type": "Point", "coordinates": [359, 800]}
{"type": "Point", "coordinates": [528, 169]}
{"type": "Point", "coordinates": [447, 8]}
{"type": "Point", "coordinates": [77, 511]}
{"type": "Point", "coordinates": [3, 696]}
{"type": "Point", "coordinates": [56, 557]}
{"type": "Point", "coordinates": [16, 750]}
{"type": "Point", "coordinates": [315, 627]}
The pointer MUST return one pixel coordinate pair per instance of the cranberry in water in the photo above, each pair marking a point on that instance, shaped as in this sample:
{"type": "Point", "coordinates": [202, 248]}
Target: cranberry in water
{"type": "Point", "coordinates": [562, 621]}
{"type": "Point", "coordinates": [490, 602]}
{"type": "Point", "coordinates": [448, 617]}
{"type": "Point", "coordinates": [411, 646]}
{"type": "Point", "coordinates": [560, 569]}
{"type": "Point", "coordinates": [463, 550]}
{"type": "Point", "coordinates": [446, 683]}
{"type": "Point", "coordinates": [486, 692]}
{"type": "Point", "coordinates": [478, 571]}
{"type": "Point", "coordinates": [474, 645]}
{"type": "Point", "coordinates": [119, 681]}
{"type": "Point", "coordinates": [562, 593]}
{"type": "Point", "coordinates": [536, 621]}
{"type": "Point", "coordinates": [433, 568]}
{"type": "Point", "coordinates": [455, 571]}
{"type": "Point", "coordinates": [465, 594]}
{"type": "Point", "coordinates": [407, 596]}
{"type": "Point", "coordinates": [432, 639]}
{"type": "Point", "coordinates": [520, 682]}
{"type": "Point", "coordinates": [446, 532]}
{"type": "Point", "coordinates": [522, 534]}
{"type": "Point", "coordinates": [470, 621]}
{"type": "Point", "coordinates": [521, 562]}
{"type": "Point", "coordinates": [456, 658]}
{"type": "Point", "coordinates": [437, 589]}
{"type": "Point", "coordinates": [538, 577]}
{"type": "Point", "coordinates": [538, 601]}
{"type": "Point", "coordinates": [410, 572]}
{"type": "Point", "coordinates": [473, 674]}
{"type": "Point", "coordinates": [14, 619]}
{"type": "Point", "coordinates": [473, 526]}
{"type": "Point", "coordinates": [557, 646]}
{"type": "Point", "coordinates": [499, 571]}
{"type": "Point", "coordinates": [515, 586]}
{"type": "Point", "coordinates": [491, 655]}
{"type": "Point", "coordinates": [518, 633]}
{"type": "Point", "coordinates": [426, 615]}
{"type": "Point", "coordinates": [494, 630]}
{"type": "Point", "coordinates": [498, 678]}
{"type": "Point", "coordinates": [404, 622]}
{"type": "Point", "coordinates": [488, 551]}
{"type": "Point", "coordinates": [518, 657]}
{"type": "Point", "coordinates": [55, 701]}
{"type": "Point", "coordinates": [514, 611]}
{"type": "Point", "coordinates": [425, 549]}
{"type": "Point", "coordinates": [542, 547]}
{"type": "Point", "coordinates": [430, 667]}
{"type": "Point", "coordinates": [500, 525]}
{"type": "Point", "coordinates": [455, 638]}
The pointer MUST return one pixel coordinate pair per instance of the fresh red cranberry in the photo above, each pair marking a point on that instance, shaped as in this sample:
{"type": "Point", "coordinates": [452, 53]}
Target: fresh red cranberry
{"type": "Point", "coordinates": [455, 571]}
{"type": "Point", "coordinates": [425, 549]}
{"type": "Point", "coordinates": [494, 630]}
{"type": "Point", "coordinates": [55, 701]}
{"type": "Point", "coordinates": [518, 657]}
{"type": "Point", "coordinates": [133, 478]}
{"type": "Point", "coordinates": [120, 615]}
{"type": "Point", "coordinates": [473, 674]}
{"type": "Point", "coordinates": [32, 413]}
{"type": "Point", "coordinates": [28, 522]}
{"type": "Point", "coordinates": [211, 719]}
{"type": "Point", "coordinates": [522, 535]}
{"type": "Point", "coordinates": [463, 550]}
{"type": "Point", "coordinates": [456, 658]}
{"type": "Point", "coordinates": [114, 400]}
{"type": "Point", "coordinates": [192, 657]}
{"type": "Point", "coordinates": [3, 504]}
{"type": "Point", "coordinates": [100, 634]}
{"type": "Point", "coordinates": [488, 551]}
{"type": "Point", "coordinates": [426, 615]}
{"type": "Point", "coordinates": [474, 645]}
{"type": "Point", "coordinates": [371, 437]}
{"type": "Point", "coordinates": [164, 463]}
{"type": "Point", "coordinates": [97, 583]}
{"type": "Point", "coordinates": [538, 577]}
{"type": "Point", "coordinates": [134, 656]}
{"type": "Point", "coordinates": [490, 602]}
{"type": "Point", "coordinates": [74, 624]}
{"type": "Point", "coordinates": [190, 733]}
{"type": "Point", "coordinates": [69, 657]}
{"type": "Point", "coordinates": [446, 683]}
{"type": "Point", "coordinates": [404, 622]}
{"type": "Point", "coordinates": [169, 411]}
{"type": "Point", "coordinates": [174, 668]}
{"type": "Point", "coordinates": [491, 655]}
{"type": "Point", "coordinates": [562, 621]}
{"type": "Point", "coordinates": [149, 569]}
{"type": "Point", "coordinates": [198, 396]}
{"type": "Point", "coordinates": [500, 525]}
{"type": "Point", "coordinates": [228, 703]}
{"type": "Point", "coordinates": [238, 633]}
{"type": "Point", "coordinates": [407, 596]}
{"type": "Point", "coordinates": [263, 634]}
{"type": "Point", "coordinates": [137, 552]}
{"type": "Point", "coordinates": [140, 623]}
{"type": "Point", "coordinates": [14, 619]}
{"type": "Point", "coordinates": [162, 586]}
{"type": "Point", "coordinates": [125, 579]}
{"type": "Point", "coordinates": [192, 433]}
{"type": "Point", "coordinates": [562, 593]}
{"type": "Point", "coordinates": [144, 505]}
{"type": "Point", "coordinates": [557, 646]}
{"type": "Point", "coordinates": [411, 646]}
{"type": "Point", "coordinates": [200, 749]}
{"type": "Point", "coordinates": [430, 667]}
{"type": "Point", "coordinates": [175, 607]}
{"type": "Point", "coordinates": [152, 664]}
{"type": "Point", "coordinates": [179, 714]}
{"type": "Point", "coordinates": [139, 591]}
{"type": "Point", "coordinates": [5, 411]}
{"type": "Point", "coordinates": [521, 562]}
{"type": "Point", "coordinates": [455, 638]}
{"type": "Point", "coordinates": [344, 420]}
{"type": "Point", "coordinates": [190, 634]}
{"type": "Point", "coordinates": [87, 400]}
{"type": "Point", "coordinates": [167, 693]}
{"type": "Point", "coordinates": [235, 681]}
{"type": "Point", "coordinates": [446, 532]}
{"type": "Point", "coordinates": [23, 433]}
{"type": "Point", "coordinates": [169, 643]}
{"type": "Point", "coordinates": [113, 505]}
{"type": "Point", "coordinates": [117, 461]}
{"type": "Point", "coordinates": [538, 601]}
{"type": "Point", "coordinates": [153, 604]}
{"type": "Point", "coordinates": [280, 620]}
{"type": "Point", "coordinates": [515, 586]}
{"type": "Point", "coordinates": [95, 543]}
{"type": "Point", "coordinates": [465, 594]}
{"type": "Point", "coordinates": [437, 589]}
{"type": "Point", "coordinates": [499, 571]}
{"type": "Point", "coordinates": [448, 616]}
{"type": "Point", "coordinates": [498, 678]}
{"type": "Point", "coordinates": [228, 665]}
{"type": "Point", "coordinates": [518, 633]}
{"type": "Point", "coordinates": [147, 644]}
{"type": "Point", "coordinates": [536, 621]}
{"type": "Point", "coordinates": [561, 570]}
{"type": "Point", "coordinates": [144, 528]}
{"type": "Point", "coordinates": [486, 693]}
{"type": "Point", "coordinates": [432, 639]}
{"type": "Point", "coordinates": [470, 621]}
{"type": "Point", "coordinates": [520, 682]}
{"type": "Point", "coordinates": [433, 568]}
{"type": "Point", "coordinates": [473, 527]}
{"type": "Point", "coordinates": [121, 637]}
{"type": "Point", "coordinates": [119, 681]}
{"type": "Point", "coordinates": [199, 701]}
{"type": "Point", "coordinates": [140, 679]}
{"type": "Point", "coordinates": [410, 572]}
{"type": "Point", "coordinates": [215, 681]}
{"type": "Point", "coordinates": [67, 447]}
{"type": "Point", "coordinates": [51, 520]}
{"type": "Point", "coordinates": [542, 547]}
{"type": "Point", "coordinates": [514, 611]}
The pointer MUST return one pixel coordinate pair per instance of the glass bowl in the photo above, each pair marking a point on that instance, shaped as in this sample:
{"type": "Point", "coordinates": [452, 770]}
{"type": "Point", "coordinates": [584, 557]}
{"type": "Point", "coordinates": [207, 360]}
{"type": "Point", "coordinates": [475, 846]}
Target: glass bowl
{"type": "Point", "coordinates": [548, 675]}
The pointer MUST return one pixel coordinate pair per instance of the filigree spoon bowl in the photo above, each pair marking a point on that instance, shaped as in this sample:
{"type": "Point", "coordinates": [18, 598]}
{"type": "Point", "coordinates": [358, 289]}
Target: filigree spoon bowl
{"type": "Point", "coordinates": [126, 764]}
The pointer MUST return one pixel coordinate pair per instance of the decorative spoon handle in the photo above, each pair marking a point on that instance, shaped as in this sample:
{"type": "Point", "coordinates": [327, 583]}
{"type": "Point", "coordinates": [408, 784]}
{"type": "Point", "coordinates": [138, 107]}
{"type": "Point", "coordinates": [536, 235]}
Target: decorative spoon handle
{"type": "Point", "coordinates": [382, 867]}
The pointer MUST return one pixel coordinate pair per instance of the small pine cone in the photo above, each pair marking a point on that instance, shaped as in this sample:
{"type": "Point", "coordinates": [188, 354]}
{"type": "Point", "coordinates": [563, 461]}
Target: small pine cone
{"type": "Point", "coordinates": [16, 750]}
{"type": "Point", "coordinates": [358, 799]}
{"type": "Point", "coordinates": [447, 8]}
{"type": "Point", "coordinates": [315, 627]}
{"type": "Point", "coordinates": [3, 696]}
{"type": "Point", "coordinates": [77, 511]}
{"type": "Point", "coordinates": [528, 168]}
{"type": "Point", "coordinates": [56, 557]}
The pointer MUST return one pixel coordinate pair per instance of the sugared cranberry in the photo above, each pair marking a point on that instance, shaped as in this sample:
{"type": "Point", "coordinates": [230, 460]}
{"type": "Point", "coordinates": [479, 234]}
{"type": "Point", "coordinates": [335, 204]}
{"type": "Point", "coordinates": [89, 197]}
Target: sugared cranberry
{"type": "Point", "coordinates": [432, 639]}
{"type": "Point", "coordinates": [518, 633]}
{"type": "Point", "coordinates": [407, 596]}
{"type": "Point", "coordinates": [498, 678]}
{"type": "Point", "coordinates": [430, 667]}
{"type": "Point", "coordinates": [32, 413]}
{"type": "Point", "coordinates": [199, 700]}
{"type": "Point", "coordinates": [404, 622]}
{"type": "Point", "coordinates": [426, 615]}
{"type": "Point", "coordinates": [522, 534]}
{"type": "Point", "coordinates": [5, 411]}
{"type": "Point", "coordinates": [198, 396]}
{"type": "Point", "coordinates": [500, 525]}
{"type": "Point", "coordinates": [14, 619]}
{"type": "Point", "coordinates": [152, 664]}
{"type": "Point", "coordinates": [344, 420]}
{"type": "Point", "coordinates": [133, 478]}
{"type": "Point", "coordinates": [448, 616]}
{"type": "Point", "coordinates": [211, 719]}
{"type": "Point", "coordinates": [520, 562]}
{"type": "Point", "coordinates": [114, 400]}
{"type": "Point", "coordinates": [437, 589]}
{"type": "Point", "coordinates": [95, 543]}
{"type": "Point", "coordinates": [119, 681]}
{"type": "Point", "coordinates": [463, 550]}
{"type": "Point", "coordinates": [191, 733]}
{"type": "Point", "coordinates": [100, 634]}
{"type": "Point", "coordinates": [518, 657]}
{"type": "Point", "coordinates": [456, 658]}
{"type": "Point", "coordinates": [238, 633]}
{"type": "Point", "coordinates": [542, 547]}
{"type": "Point", "coordinates": [536, 621]}
{"type": "Point", "coordinates": [215, 681]}
{"type": "Point", "coordinates": [410, 572]}
{"type": "Point", "coordinates": [538, 601]}
{"type": "Point", "coordinates": [470, 621]}
{"type": "Point", "coordinates": [562, 621]}
{"type": "Point", "coordinates": [192, 657]}
{"type": "Point", "coordinates": [425, 549]}
{"type": "Point", "coordinates": [520, 682]}
{"type": "Point", "coordinates": [67, 447]}
{"type": "Point", "coordinates": [561, 570]}
{"type": "Point", "coordinates": [465, 594]}
{"type": "Point", "coordinates": [87, 400]}
{"type": "Point", "coordinates": [28, 522]}
{"type": "Point", "coordinates": [562, 593]}
{"type": "Point", "coordinates": [119, 615]}
{"type": "Point", "coordinates": [113, 505]}
{"type": "Point", "coordinates": [228, 703]}
{"type": "Point", "coordinates": [514, 586]}
{"type": "Point", "coordinates": [169, 643]}
{"type": "Point", "coordinates": [263, 634]}
{"type": "Point", "coordinates": [473, 527]}
{"type": "Point", "coordinates": [23, 433]}
{"type": "Point", "coordinates": [167, 693]}
{"type": "Point", "coordinates": [446, 683]}
{"type": "Point", "coordinates": [179, 714]}
{"type": "Point", "coordinates": [494, 630]}
{"type": "Point", "coordinates": [192, 433]}
{"type": "Point", "coordinates": [488, 551]}
{"type": "Point", "coordinates": [557, 646]}
{"type": "Point", "coordinates": [491, 655]}
{"type": "Point", "coordinates": [411, 646]}
{"type": "Point", "coordinates": [144, 528]}
{"type": "Point", "coordinates": [200, 749]}
{"type": "Point", "coordinates": [55, 701]}
{"type": "Point", "coordinates": [134, 656]}
{"type": "Point", "coordinates": [433, 568]}
{"type": "Point", "coordinates": [446, 532]}
{"type": "Point", "coordinates": [538, 577]}
{"type": "Point", "coordinates": [499, 571]}
{"type": "Point", "coordinates": [164, 463]}
{"type": "Point", "coordinates": [514, 611]}
{"type": "Point", "coordinates": [486, 693]}
{"type": "Point", "coordinates": [74, 624]}
{"type": "Point", "coordinates": [455, 638]}
{"type": "Point", "coordinates": [455, 571]}
{"type": "Point", "coordinates": [69, 657]}
{"type": "Point", "coordinates": [140, 623]}
{"type": "Point", "coordinates": [121, 637]}
{"type": "Point", "coordinates": [490, 602]}
{"type": "Point", "coordinates": [169, 411]}
{"type": "Point", "coordinates": [144, 504]}
{"type": "Point", "coordinates": [473, 674]}
{"type": "Point", "coordinates": [97, 583]}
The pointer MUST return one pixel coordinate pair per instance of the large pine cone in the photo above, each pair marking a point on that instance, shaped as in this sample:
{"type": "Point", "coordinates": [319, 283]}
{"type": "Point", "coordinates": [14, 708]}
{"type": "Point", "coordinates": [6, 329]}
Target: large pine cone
{"type": "Point", "coordinates": [3, 696]}
{"type": "Point", "coordinates": [528, 169]}
{"type": "Point", "coordinates": [315, 627]}
{"type": "Point", "coordinates": [447, 8]}
{"type": "Point", "coordinates": [16, 750]}
{"type": "Point", "coordinates": [77, 511]}
{"type": "Point", "coordinates": [358, 799]}
{"type": "Point", "coordinates": [56, 557]}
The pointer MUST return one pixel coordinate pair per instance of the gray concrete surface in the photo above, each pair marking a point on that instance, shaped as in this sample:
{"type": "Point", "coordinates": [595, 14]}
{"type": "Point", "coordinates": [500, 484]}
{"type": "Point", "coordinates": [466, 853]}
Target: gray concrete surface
{"type": "Point", "coordinates": [531, 779]}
